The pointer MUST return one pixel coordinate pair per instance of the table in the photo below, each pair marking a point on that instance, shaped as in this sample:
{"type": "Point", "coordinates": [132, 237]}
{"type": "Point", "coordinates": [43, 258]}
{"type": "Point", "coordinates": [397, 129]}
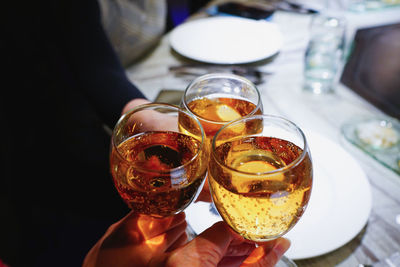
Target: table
{"type": "Point", "coordinates": [282, 95]}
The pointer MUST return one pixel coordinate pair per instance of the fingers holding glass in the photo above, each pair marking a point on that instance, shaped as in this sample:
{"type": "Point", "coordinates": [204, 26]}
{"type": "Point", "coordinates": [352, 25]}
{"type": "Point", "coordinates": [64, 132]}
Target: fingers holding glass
{"type": "Point", "coordinates": [220, 246]}
{"type": "Point", "coordinates": [137, 238]}
{"type": "Point", "coordinates": [149, 227]}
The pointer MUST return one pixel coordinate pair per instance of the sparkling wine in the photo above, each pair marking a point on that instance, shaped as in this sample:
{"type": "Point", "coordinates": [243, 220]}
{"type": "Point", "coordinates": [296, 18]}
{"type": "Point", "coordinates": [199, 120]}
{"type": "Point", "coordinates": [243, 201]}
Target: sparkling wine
{"type": "Point", "coordinates": [257, 205]}
{"type": "Point", "coordinates": [158, 173]}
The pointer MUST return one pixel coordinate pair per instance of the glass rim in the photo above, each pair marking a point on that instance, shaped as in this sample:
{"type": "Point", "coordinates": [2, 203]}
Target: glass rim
{"type": "Point", "coordinates": [291, 165]}
{"type": "Point", "coordinates": [148, 106]}
{"type": "Point", "coordinates": [221, 75]}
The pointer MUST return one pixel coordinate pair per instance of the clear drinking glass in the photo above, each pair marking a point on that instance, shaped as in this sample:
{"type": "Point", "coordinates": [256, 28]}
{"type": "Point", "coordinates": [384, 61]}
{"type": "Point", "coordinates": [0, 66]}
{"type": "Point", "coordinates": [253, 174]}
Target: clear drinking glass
{"type": "Point", "coordinates": [218, 98]}
{"type": "Point", "coordinates": [324, 53]}
{"type": "Point", "coordinates": [157, 167]}
{"type": "Point", "coordinates": [260, 175]}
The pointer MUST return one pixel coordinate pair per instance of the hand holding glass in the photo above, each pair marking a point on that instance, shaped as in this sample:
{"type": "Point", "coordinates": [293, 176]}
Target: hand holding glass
{"type": "Point", "coordinates": [157, 169]}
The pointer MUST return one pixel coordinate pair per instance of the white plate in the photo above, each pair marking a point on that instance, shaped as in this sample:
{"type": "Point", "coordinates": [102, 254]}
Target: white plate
{"type": "Point", "coordinates": [226, 40]}
{"type": "Point", "coordinates": [339, 206]}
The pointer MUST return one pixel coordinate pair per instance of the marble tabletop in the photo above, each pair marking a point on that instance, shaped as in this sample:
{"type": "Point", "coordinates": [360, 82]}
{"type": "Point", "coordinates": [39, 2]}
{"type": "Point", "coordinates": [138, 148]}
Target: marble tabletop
{"type": "Point", "coordinates": [282, 95]}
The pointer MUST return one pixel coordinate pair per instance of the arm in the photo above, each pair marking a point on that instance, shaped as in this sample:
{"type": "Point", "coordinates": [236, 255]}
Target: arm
{"type": "Point", "coordinates": [94, 62]}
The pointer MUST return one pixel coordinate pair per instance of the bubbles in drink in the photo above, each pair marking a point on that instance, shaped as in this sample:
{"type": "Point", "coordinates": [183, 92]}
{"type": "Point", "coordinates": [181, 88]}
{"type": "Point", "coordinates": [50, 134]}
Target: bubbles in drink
{"type": "Point", "coordinates": [158, 173]}
{"type": "Point", "coordinates": [261, 200]}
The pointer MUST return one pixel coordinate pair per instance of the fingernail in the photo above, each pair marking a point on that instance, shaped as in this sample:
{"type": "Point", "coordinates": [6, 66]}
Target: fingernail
{"type": "Point", "coordinates": [281, 246]}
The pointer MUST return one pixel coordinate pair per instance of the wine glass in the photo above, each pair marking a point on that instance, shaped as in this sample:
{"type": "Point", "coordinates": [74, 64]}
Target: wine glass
{"type": "Point", "coordinates": [158, 168]}
{"type": "Point", "coordinates": [260, 175]}
{"type": "Point", "coordinates": [218, 98]}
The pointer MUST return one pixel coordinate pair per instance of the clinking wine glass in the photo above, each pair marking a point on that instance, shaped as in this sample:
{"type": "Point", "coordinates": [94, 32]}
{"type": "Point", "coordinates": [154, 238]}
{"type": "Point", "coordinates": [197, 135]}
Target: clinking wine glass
{"type": "Point", "coordinates": [218, 98]}
{"type": "Point", "coordinates": [260, 175]}
{"type": "Point", "coordinates": [157, 167]}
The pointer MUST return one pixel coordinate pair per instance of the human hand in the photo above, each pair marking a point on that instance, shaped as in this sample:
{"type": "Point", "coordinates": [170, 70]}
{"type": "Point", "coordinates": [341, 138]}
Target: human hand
{"type": "Point", "coordinates": [136, 239]}
{"type": "Point", "coordinates": [149, 120]}
{"type": "Point", "coordinates": [134, 103]}
{"type": "Point", "coordinates": [220, 246]}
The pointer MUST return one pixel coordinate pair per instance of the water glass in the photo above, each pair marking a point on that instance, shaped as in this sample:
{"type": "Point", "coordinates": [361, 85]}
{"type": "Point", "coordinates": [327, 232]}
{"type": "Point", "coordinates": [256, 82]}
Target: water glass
{"type": "Point", "coordinates": [324, 53]}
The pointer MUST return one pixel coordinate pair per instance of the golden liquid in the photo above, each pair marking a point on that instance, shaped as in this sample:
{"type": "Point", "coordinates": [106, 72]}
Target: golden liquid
{"type": "Point", "coordinates": [260, 207]}
{"type": "Point", "coordinates": [149, 175]}
{"type": "Point", "coordinates": [215, 112]}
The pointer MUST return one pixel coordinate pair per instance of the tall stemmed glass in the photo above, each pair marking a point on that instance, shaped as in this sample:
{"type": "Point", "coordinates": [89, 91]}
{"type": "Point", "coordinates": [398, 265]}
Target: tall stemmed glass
{"type": "Point", "coordinates": [158, 168]}
{"type": "Point", "coordinates": [260, 175]}
{"type": "Point", "coordinates": [218, 98]}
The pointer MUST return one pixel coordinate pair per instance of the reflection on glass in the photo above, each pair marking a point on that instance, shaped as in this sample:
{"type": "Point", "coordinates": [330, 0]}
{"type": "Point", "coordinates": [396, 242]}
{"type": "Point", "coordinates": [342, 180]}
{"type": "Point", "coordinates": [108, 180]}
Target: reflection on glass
{"type": "Point", "coordinates": [157, 169]}
{"type": "Point", "coordinates": [260, 176]}
{"type": "Point", "coordinates": [218, 98]}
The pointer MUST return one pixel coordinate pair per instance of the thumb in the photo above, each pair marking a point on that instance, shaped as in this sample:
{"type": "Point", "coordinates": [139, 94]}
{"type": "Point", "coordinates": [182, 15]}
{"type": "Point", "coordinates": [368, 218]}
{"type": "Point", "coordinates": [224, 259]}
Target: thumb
{"type": "Point", "coordinates": [215, 242]}
{"type": "Point", "coordinates": [205, 250]}
{"type": "Point", "coordinates": [211, 245]}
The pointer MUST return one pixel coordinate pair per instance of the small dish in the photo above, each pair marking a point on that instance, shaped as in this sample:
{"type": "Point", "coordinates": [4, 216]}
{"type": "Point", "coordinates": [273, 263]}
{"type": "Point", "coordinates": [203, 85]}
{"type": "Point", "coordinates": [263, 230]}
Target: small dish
{"type": "Point", "coordinates": [378, 137]}
{"type": "Point", "coordinates": [377, 133]}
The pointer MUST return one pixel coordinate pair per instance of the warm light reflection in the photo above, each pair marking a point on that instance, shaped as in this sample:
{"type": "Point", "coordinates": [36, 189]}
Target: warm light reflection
{"type": "Point", "coordinates": [255, 256]}
{"type": "Point", "coordinates": [135, 236]}
{"type": "Point", "coordinates": [150, 227]}
{"type": "Point", "coordinates": [156, 241]}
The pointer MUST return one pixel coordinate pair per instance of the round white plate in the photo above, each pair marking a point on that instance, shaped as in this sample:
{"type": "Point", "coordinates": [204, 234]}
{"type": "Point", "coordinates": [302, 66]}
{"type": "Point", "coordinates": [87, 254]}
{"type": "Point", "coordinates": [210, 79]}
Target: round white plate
{"type": "Point", "coordinates": [339, 206]}
{"type": "Point", "coordinates": [226, 40]}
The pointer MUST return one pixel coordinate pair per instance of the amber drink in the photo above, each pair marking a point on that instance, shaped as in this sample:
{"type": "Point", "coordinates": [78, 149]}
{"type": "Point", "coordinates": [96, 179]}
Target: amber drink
{"type": "Point", "coordinates": [218, 98]}
{"type": "Point", "coordinates": [261, 181]}
{"type": "Point", "coordinates": [157, 169]}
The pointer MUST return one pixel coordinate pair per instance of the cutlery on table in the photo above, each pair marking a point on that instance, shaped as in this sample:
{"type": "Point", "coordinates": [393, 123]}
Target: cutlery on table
{"type": "Point", "coordinates": [252, 73]}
